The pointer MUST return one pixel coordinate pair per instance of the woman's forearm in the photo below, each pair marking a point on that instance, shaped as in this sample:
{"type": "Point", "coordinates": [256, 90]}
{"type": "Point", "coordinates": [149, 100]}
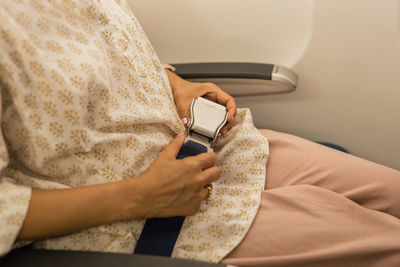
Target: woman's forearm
{"type": "Point", "coordinates": [61, 211]}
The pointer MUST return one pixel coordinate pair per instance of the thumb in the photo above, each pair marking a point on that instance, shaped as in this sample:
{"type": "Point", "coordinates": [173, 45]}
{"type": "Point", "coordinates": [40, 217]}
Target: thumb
{"type": "Point", "coordinates": [183, 113]}
{"type": "Point", "coordinates": [172, 149]}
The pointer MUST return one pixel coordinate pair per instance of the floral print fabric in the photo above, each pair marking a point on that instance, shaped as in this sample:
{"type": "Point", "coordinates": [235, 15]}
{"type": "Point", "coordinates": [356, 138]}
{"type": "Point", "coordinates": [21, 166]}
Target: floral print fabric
{"type": "Point", "coordinates": [85, 100]}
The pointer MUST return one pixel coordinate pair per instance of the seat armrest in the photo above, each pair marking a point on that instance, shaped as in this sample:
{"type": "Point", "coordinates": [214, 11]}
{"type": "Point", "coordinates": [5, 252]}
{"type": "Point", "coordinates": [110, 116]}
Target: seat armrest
{"type": "Point", "coordinates": [241, 79]}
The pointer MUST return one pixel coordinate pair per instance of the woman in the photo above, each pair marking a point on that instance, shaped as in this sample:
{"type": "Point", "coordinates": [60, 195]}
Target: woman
{"type": "Point", "coordinates": [90, 136]}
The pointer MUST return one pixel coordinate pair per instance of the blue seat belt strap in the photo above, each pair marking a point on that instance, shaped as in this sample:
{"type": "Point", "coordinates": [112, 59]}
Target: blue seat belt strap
{"type": "Point", "coordinates": [159, 235]}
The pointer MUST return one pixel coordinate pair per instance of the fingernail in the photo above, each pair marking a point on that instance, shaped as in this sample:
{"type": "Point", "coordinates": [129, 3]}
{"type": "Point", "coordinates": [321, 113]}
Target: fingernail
{"type": "Point", "coordinates": [184, 120]}
{"type": "Point", "coordinates": [224, 132]}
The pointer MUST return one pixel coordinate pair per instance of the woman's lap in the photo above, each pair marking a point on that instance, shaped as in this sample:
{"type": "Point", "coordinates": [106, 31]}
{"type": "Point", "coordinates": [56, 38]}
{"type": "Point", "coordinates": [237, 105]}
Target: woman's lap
{"type": "Point", "coordinates": [294, 160]}
{"type": "Point", "coordinates": [322, 207]}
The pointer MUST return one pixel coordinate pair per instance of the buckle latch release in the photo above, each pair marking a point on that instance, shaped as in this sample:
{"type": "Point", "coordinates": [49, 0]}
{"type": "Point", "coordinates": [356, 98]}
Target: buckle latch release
{"type": "Point", "coordinates": [207, 119]}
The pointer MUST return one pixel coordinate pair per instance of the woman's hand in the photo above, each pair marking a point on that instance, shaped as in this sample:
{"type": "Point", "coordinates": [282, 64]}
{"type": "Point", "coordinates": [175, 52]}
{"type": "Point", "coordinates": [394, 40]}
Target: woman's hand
{"type": "Point", "coordinates": [169, 187]}
{"type": "Point", "coordinates": [175, 187]}
{"type": "Point", "coordinates": [184, 92]}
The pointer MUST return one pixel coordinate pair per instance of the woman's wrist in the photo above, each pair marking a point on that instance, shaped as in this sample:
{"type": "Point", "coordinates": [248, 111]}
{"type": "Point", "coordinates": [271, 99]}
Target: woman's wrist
{"type": "Point", "coordinates": [131, 200]}
{"type": "Point", "coordinates": [174, 80]}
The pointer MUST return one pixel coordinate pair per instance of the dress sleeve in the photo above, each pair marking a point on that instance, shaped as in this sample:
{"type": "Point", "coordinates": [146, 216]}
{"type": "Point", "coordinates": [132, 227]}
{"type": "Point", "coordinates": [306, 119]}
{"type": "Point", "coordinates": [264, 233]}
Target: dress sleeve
{"type": "Point", "coordinates": [14, 202]}
{"type": "Point", "coordinates": [14, 198]}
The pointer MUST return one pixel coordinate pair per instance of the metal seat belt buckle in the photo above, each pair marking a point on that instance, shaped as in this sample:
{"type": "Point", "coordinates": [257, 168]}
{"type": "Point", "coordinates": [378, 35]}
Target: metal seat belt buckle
{"type": "Point", "coordinates": [206, 120]}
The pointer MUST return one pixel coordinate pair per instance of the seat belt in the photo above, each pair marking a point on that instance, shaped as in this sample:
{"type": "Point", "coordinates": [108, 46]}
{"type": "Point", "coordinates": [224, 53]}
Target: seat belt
{"type": "Point", "coordinates": [159, 235]}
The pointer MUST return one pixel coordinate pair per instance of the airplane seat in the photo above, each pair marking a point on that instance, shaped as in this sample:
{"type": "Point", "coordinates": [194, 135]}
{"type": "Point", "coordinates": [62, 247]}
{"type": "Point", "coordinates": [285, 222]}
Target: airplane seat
{"type": "Point", "coordinates": [27, 257]}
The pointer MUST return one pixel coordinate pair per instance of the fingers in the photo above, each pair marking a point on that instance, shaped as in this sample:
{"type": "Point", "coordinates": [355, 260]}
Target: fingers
{"type": "Point", "coordinates": [232, 109]}
{"type": "Point", "coordinates": [216, 94]}
{"type": "Point", "coordinates": [230, 105]}
{"type": "Point", "coordinates": [183, 112]}
{"type": "Point", "coordinates": [203, 161]}
{"type": "Point", "coordinates": [204, 193]}
{"type": "Point", "coordinates": [172, 149]}
{"type": "Point", "coordinates": [210, 175]}
{"type": "Point", "coordinates": [185, 120]}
